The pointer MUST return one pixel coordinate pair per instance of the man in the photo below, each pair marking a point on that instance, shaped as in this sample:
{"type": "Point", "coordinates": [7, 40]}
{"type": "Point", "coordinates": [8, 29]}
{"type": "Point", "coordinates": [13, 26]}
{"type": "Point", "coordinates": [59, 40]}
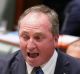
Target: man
{"type": "Point", "coordinates": [38, 33]}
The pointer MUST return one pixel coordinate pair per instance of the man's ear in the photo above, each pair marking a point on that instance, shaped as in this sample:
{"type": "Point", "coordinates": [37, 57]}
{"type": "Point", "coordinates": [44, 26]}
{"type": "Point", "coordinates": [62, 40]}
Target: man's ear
{"type": "Point", "coordinates": [56, 40]}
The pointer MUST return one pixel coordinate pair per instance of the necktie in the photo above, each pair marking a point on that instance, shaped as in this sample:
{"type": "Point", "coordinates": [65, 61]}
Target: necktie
{"type": "Point", "coordinates": [37, 70]}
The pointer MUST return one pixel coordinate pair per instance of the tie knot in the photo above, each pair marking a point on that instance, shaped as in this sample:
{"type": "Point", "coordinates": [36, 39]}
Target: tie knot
{"type": "Point", "coordinates": [37, 70]}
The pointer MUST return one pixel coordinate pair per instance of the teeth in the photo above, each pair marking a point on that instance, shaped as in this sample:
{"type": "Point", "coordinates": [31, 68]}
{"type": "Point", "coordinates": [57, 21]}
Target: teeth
{"type": "Point", "coordinates": [33, 55]}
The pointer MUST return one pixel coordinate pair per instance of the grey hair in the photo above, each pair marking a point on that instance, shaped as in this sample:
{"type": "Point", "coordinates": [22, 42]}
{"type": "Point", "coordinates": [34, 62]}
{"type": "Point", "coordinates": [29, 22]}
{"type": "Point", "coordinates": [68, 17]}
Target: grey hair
{"type": "Point", "coordinates": [46, 10]}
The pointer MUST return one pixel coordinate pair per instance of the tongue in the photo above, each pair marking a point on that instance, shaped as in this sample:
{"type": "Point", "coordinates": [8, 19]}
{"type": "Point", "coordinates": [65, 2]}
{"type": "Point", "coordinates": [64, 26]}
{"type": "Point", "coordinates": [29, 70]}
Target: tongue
{"type": "Point", "coordinates": [33, 55]}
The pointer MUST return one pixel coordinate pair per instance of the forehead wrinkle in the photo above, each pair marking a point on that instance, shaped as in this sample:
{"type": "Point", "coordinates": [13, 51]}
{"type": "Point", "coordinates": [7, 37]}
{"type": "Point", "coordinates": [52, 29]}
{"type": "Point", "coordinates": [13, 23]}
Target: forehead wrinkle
{"type": "Point", "coordinates": [35, 29]}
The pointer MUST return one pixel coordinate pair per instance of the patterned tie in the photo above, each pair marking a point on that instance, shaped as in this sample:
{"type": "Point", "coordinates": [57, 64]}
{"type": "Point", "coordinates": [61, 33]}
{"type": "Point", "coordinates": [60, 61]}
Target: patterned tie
{"type": "Point", "coordinates": [37, 70]}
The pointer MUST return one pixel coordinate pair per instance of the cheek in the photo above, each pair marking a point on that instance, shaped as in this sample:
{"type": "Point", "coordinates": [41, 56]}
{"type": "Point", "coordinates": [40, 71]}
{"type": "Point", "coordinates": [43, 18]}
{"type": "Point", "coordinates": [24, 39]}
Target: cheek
{"type": "Point", "coordinates": [47, 48]}
{"type": "Point", "coordinates": [23, 45]}
{"type": "Point", "coordinates": [23, 48]}
{"type": "Point", "coordinates": [46, 52]}
{"type": "Point", "coordinates": [47, 44]}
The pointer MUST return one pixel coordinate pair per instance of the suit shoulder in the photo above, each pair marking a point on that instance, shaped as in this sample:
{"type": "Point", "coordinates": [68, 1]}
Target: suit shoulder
{"type": "Point", "coordinates": [74, 63]}
{"type": "Point", "coordinates": [67, 58]}
{"type": "Point", "coordinates": [73, 60]}
{"type": "Point", "coordinates": [6, 59]}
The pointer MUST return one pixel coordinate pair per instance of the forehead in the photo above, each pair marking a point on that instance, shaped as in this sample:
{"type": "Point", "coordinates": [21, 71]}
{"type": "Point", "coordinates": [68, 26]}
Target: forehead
{"type": "Point", "coordinates": [36, 19]}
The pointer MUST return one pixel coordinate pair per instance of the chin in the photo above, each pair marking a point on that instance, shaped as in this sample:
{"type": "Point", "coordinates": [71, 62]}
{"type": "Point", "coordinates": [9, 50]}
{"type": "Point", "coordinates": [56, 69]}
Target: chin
{"type": "Point", "coordinates": [34, 63]}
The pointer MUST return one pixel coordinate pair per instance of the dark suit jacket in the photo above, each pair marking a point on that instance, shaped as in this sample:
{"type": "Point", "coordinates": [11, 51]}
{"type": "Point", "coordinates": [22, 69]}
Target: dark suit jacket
{"type": "Point", "coordinates": [15, 64]}
{"type": "Point", "coordinates": [71, 25]}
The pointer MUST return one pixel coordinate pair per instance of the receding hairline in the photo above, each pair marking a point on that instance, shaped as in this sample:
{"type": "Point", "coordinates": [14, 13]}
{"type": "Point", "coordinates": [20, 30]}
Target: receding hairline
{"type": "Point", "coordinates": [52, 15]}
{"type": "Point", "coordinates": [39, 8]}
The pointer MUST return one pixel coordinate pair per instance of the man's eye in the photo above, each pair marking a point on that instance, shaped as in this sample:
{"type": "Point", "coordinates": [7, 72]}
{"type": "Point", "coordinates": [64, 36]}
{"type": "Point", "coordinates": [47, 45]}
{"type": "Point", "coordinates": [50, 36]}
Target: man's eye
{"type": "Point", "coordinates": [38, 38]}
{"type": "Point", "coordinates": [25, 37]}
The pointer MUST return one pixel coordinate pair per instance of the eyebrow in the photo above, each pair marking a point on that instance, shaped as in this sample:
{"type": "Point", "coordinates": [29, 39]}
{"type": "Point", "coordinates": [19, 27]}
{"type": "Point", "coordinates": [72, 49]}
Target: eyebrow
{"type": "Point", "coordinates": [38, 33]}
{"type": "Point", "coordinates": [24, 32]}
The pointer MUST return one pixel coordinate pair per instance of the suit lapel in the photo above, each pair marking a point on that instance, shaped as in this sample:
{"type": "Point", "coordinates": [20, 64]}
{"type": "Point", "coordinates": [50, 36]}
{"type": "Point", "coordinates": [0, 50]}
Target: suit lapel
{"type": "Point", "coordinates": [62, 65]}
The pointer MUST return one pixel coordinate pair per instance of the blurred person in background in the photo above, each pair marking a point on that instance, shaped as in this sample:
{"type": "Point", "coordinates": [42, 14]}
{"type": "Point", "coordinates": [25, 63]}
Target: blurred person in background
{"type": "Point", "coordinates": [71, 24]}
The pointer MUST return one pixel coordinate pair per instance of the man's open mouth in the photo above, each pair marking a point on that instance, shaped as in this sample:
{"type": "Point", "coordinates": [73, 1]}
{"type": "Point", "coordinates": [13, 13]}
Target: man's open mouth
{"type": "Point", "coordinates": [32, 55]}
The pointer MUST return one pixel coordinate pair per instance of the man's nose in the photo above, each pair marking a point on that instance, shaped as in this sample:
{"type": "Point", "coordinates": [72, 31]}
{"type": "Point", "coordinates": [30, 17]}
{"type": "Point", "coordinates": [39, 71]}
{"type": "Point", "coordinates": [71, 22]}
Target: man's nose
{"type": "Point", "coordinates": [31, 44]}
